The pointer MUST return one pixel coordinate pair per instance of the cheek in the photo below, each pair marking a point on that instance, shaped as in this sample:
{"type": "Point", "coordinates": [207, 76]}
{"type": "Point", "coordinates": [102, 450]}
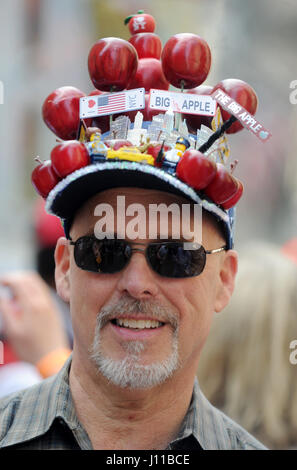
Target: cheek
{"type": "Point", "coordinates": [194, 298]}
{"type": "Point", "coordinates": [88, 293]}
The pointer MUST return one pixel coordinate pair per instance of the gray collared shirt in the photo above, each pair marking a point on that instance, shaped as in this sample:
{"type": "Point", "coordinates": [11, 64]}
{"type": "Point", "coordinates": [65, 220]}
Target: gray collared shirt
{"type": "Point", "coordinates": [44, 417]}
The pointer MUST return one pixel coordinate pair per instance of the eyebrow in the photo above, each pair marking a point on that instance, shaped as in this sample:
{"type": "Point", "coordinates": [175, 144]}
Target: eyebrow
{"type": "Point", "coordinates": [169, 238]}
{"type": "Point", "coordinates": [166, 238]}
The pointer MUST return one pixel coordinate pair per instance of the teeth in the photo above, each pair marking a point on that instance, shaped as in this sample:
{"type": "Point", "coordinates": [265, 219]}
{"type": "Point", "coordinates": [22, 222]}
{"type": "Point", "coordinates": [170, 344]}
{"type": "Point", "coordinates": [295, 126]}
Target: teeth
{"type": "Point", "coordinates": [137, 324]}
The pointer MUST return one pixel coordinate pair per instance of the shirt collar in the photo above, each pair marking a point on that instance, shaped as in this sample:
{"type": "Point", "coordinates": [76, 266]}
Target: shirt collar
{"type": "Point", "coordinates": [203, 424]}
{"type": "Point", "coordinates": [49, 400]}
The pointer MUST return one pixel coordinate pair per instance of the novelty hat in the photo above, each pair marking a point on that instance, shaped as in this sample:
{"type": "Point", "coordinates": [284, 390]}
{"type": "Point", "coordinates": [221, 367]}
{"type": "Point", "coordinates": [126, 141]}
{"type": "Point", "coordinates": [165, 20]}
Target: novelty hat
{"type": "Point", "coordinates": [133, 132]}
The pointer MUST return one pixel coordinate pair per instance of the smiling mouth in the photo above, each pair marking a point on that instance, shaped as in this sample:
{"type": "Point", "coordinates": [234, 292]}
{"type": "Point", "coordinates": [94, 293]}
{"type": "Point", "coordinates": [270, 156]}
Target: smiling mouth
{"type": "Point", "coordinates": [137, 324]}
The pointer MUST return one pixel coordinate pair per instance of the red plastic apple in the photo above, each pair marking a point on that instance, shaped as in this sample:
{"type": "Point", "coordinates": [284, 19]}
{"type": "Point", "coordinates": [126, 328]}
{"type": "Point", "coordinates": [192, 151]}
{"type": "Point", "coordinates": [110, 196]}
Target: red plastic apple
{"type": "Point", "coordinates": [68, 157]}
{"type": "Point", "coordinates": [96, 93]}
{"type": "Point", "coordinates": [196, 169]}
{"type": "Point", "coordinates": [147, 45]}
{"type": "Point", "coordinates": [195, 121]}
{"type": "Point", "coordinates": [112, 64]}
{"type": "Point", "coordinates": [141, 23]}
{"type": "Point", "coordinates": [149, 75]}
{"type": "Point", "coordinates": [154, 151]}
{"type": "Point", "coordinates": [186, 60]}
{"type": "Point", "coordinates": [235, 198]}
{"type": "Point", "coordinates": [222, 187]}
{"type": "Point", "coordinates": [44, 178]}
{"type": "Point", "coordinates": [241, 92]}
{"type": "Point", "coordinates": [60, 111]}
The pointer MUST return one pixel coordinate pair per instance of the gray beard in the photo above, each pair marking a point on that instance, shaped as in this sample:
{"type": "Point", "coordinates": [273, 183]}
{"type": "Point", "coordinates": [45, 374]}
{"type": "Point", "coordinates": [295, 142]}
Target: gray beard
{"type": "Point", "coordinates": [129, 372]}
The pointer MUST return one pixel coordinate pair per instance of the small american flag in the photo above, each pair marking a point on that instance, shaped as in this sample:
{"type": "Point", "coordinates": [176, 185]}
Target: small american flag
{"type": "Point", "coordinates": [111, 103]}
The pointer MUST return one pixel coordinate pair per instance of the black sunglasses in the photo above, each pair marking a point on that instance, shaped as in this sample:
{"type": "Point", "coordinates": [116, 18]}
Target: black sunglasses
{"type": "Point", "coordinates": [168, 259]}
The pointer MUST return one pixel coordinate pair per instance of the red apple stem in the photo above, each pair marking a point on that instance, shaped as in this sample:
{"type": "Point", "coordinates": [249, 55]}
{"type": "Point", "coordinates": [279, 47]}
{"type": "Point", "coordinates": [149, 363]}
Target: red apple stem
{"type": "Point", "coordinates": [126, 21]}
{"type": "Point", "coordinates": [219, 132]}
{"type": "Point", "coordinates": [182, 86]}
{"type": "Point", "coordinates": [233, 165]}
{"type": "Point", "coordinates": [37, 159]}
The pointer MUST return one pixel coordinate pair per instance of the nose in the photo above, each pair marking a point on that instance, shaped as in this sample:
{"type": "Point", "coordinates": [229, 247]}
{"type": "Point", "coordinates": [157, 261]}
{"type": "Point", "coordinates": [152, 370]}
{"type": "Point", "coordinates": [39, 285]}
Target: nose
{"type": "Point", "coordinates": [137, 279]}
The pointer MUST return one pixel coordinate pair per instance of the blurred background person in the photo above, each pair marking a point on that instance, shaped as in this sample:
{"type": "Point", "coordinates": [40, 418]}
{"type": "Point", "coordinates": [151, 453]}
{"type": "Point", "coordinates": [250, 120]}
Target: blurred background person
{"type": "Point", "coordinates": [46, 231]}
{"type": "Point", "coordinates": [14, 373]}
{"type": "Point", "coordinates": [245, 367]}
{"type": "Point", "coordinates": [290, 249]}
{"type": "Point", "coordinates": [36, 326]}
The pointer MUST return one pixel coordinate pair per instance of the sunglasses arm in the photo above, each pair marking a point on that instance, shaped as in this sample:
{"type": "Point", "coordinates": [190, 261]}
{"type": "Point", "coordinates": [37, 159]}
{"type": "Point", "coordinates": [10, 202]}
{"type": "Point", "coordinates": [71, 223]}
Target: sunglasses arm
{"type": "Point", "coordinates": [216, 250]}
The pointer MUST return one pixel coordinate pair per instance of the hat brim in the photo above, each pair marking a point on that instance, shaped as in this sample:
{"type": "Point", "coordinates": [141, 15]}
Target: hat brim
{"type": "Point", "coordinates": [74, 190]}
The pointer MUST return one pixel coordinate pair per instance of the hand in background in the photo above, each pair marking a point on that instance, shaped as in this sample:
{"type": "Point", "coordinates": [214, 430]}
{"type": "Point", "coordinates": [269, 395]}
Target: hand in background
{"type": "Point", "coordinates": [31, 322]}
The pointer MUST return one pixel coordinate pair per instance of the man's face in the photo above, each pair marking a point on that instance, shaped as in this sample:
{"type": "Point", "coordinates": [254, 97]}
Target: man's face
{"type": "Point", "coordinates": [107, 309]}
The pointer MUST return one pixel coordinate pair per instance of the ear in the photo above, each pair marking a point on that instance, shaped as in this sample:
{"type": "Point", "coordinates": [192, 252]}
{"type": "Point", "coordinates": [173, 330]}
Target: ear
{"type": "Point", "coordinates": [228, 270]}
{"type": "Point", "coordinates": [62, 260]}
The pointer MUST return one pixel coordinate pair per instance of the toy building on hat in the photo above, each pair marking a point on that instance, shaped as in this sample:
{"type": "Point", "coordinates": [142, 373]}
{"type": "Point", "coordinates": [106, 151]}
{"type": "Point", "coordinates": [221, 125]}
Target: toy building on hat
{"type": "Point", "coordinates": [132, 131]}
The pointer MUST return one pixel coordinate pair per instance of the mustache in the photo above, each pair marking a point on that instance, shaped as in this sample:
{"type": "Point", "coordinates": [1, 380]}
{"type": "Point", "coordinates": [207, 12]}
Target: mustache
{"type": "Point", "coordinates": [128, 305]}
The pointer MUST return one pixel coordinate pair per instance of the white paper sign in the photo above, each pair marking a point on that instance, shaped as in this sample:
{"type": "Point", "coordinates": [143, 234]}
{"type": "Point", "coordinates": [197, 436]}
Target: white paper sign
{"type": "Point", "coordinates": [186, 103]}
{"type": "Point", "coordinates": [244, 117]}
{"type": "Point", "coordinates": [111, 103]}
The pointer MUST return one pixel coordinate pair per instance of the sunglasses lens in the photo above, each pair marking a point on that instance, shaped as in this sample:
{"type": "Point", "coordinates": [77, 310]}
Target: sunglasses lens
{"type": "Point", "coordinates": [105, 256]}
{"type": "Point", "coordinates": [172, 260]}
{"type": "Point", "coordinates": [168, 259]}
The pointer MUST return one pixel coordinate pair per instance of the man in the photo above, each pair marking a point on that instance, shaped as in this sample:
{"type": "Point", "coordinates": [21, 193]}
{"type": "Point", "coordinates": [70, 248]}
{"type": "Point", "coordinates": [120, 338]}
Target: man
{"type": "Point", "coordinates": [137, 340]}
{"type": "Point", "coordinates": [142, 291]}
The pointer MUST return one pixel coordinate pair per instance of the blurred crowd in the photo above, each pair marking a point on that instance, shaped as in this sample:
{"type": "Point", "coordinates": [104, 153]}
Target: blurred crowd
{"type": "Point", "coordinates": [245, 367]}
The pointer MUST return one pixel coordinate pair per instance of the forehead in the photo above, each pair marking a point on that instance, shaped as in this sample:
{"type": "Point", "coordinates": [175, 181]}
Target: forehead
{"type": "Point", "coordinates": [133, 195]}
{"type": "Point", "coordinates": [119, 199]}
